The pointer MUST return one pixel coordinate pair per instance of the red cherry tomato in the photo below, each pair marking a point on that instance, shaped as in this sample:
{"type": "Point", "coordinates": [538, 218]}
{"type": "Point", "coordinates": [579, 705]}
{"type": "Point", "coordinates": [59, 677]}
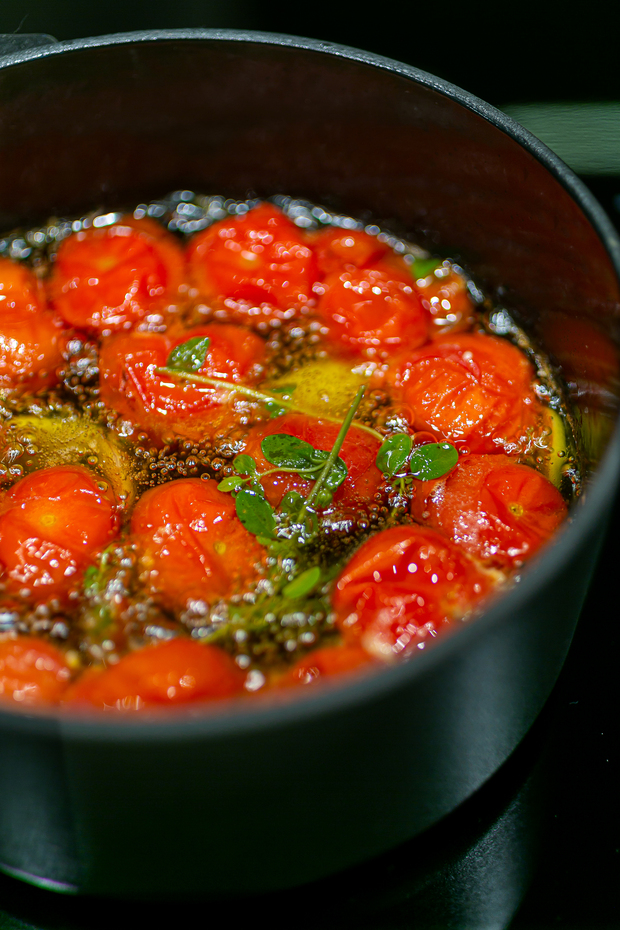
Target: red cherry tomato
{"type": "Point", "coordinates": [259, 260]}
{"type": "Point", "coordinates": [51, 524]}
{"type": "Point", "coordinates": [472, 389]}
{"type": "Point", "coordinates": [448, 302]}
{"type": "Point", "coordinates": [192, 542]}
{"type": "Point", "coordinates": [160, 403]}
{"type": "Point", "coordinates": [31, 338]}
{"type": "Point", "coordinates": [492, 507]}
{"type": "Point", "coordinates": [403, 586]}
{"type": "Point", "coordinates": [358, 452]}
{"type": "Point", "coordinates": [32, 671]}
{"type": "Point", "coordinates": [372, 311]}
{"type": "Point", "coordinates": [339, 249]}
{"type": "Point", "coordinates": [325, 662]}
{"type": "Point", "coordinates": [108, 278]}
{"type": "Point", "coordinates": [175, 672]}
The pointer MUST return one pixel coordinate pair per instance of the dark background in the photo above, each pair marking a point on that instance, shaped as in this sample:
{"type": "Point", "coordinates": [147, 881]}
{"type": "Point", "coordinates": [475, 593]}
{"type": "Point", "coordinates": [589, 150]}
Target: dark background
{"type": "Point", "coordinates": [539, 846]}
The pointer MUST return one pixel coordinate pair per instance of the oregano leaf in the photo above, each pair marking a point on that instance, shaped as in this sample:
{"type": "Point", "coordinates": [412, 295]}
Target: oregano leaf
{"type": "Point", "coordinates": [433, 460]}
{"type": "Point", "coordinates": [255, 513]}
{"type": "Point", "coordinates": [393, 454]}
{"type": "Point", "coordinates": [190, 355]}
{"type": "Point", "coordinates": [303, 584]}
{"type": "Point", "coordinates": [289, 452]}
{"type": "Point", "coordinates": [337, 473]}
{"type": "Point", "coordinates": [422, 267]}
{"type": "Point", "coordinates": [244, 464]}
{"type": "Point", "coordinates": [231, 483]}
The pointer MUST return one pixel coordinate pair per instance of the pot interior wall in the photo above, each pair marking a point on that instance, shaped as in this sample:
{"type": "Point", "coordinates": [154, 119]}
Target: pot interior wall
{"type": "Point", "coordinates": [109, 126]}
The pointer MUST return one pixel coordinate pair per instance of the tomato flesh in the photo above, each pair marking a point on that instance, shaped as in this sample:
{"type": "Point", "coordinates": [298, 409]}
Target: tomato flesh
{"type": "Point", "coordinates": [109, 278]}
{"type": "Point", "coordinates": [32, 671]}
{"type": "Point", "coordinates": [258, 260]}
{"type": "Point", "coordinates": [474, 390]}
{"type": "Point", "coordinates": [372, 311]}
{"type": "Point", "coordinates": [167, 674]}
{"type": "Point", "coordinates": [51, 524]}
{"type": "Point", "coordinates": [494, 508]}
{"type": "Point", "coordinates": [325, 662]}
{"type": "Point", "coordinates": [162, 403]}
{"type": "Point", "coordinates": [31, 338]}
{"type": "Point", "coordinates": [193, 545]}
{"type": "Point", "coordinates": [403, 587]}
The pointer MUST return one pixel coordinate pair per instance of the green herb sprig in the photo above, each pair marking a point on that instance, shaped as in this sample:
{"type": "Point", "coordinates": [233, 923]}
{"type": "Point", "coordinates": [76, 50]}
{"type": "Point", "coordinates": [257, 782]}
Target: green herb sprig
{"type": "Point", "coordinates": [400, 461]}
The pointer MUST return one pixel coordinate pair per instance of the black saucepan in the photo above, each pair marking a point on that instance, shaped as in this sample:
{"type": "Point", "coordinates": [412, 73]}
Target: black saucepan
{"type": "Point", "coordinates": [267, 796]}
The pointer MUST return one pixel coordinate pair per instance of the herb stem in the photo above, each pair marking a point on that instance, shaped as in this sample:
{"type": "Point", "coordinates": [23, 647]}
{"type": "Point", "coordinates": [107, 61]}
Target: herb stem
{"type": "Point", "coordinates": [333, 455]}
{"type": "Point", "coordinates": [263, 397]}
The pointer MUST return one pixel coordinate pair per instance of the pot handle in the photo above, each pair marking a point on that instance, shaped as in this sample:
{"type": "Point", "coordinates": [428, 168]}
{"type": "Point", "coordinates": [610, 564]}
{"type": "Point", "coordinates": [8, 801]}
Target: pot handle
{"type": "Point", "coordinates": [13, 43]}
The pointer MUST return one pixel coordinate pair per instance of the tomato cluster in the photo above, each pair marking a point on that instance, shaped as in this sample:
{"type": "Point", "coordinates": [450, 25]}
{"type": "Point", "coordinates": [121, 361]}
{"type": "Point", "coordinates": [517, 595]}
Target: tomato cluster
{"type": "Point", "coordinates": [132, 289]}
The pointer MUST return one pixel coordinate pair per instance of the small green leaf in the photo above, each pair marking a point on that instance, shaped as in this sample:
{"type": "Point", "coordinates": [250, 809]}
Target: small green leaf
{"type": "Point", "coordinates": [231, 484]}
{"type": "Point", "coordinates": [244, 464]}
{"type": "Point", "coordinates": [290, 452]}
{"type": "Point", "coordinates": [283, 389]}
{"type": "Point", "coordinates": [274, 409]}
{"type": "Point", "coordinates": [422, 267]}
{"type": "Point", "coordinates": [190, 355]}
{"type": "Point", "coordinates": [303, 584]}
{"type": "Point", "coordinates": [292, 502]}
{"type": "Point", "coordinates": [393, 454]}
{"type": "Point", "coordinates": [337, 473]}
{"type": "Point", "coordinates": [255, 513]}
{"type": "Point", "coordinates": [433, 460]}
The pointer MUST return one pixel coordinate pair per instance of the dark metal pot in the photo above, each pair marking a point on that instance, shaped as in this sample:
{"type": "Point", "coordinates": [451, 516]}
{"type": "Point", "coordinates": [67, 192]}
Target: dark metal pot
{"type": "Point", "coordinates": [266, 796]}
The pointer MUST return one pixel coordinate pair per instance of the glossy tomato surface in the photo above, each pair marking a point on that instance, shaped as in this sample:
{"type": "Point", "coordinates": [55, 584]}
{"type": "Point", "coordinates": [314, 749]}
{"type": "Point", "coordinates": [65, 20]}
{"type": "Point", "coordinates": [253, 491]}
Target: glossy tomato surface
{"type": "Point", "coordinates": [32, 671]}
{"type": "Point", "coordinates": [108, 278]}
{"type": "Point", "coordinates": [193, 545]}
{"type": "Point", "coordinates": [52, 523]}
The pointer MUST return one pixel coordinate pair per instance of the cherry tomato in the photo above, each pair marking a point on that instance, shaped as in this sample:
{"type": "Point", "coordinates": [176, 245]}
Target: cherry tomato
{"type": "Point", "coordinates": [492, 507]}
{"type": "Point", "coordinates": [160, 403]}
{"type": "Point", "coordinates": [339, 249]}
{"type": "Point", "coordinates": [51, 524]}
{"type": "Point", "coordinates": [358, 452]}
{"type": "Point", "coordinates": [192, 542]}
{"type": "Point", "coordinates": [372, 311]}
{"type": "Point", "coordinates": [108, 278]}
{"type": "Point", "coordinates": [404, 586]}
{"type": "Point", "coordinates": [325, 662]}
{"type": "Point", "coordinates": [175, 672]}
{"type": "Point", "coordinates": [448, 302]}
{"type": "Point", "coordinates": [32, 671]}
{"type": "Point", "coordinates": [31, 338]}
{"type": "Point", "coordinates": [474, 390]}
{"type": "Point", "coordinates": [258, 260]}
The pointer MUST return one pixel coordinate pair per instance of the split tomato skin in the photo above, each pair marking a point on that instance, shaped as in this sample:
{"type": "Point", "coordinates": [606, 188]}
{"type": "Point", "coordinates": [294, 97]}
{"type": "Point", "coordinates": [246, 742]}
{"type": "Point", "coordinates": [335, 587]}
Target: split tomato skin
{"type": "Point", "coordinates": [495, 509]}
{"type": "Point", "coordinates": [404, 586]}
{"type": "Point", "coordinates": [337, 249]}
{"type": "Point", "coordinates": [257, 266]}
{"type": "Point", "coordinates": [163, 404]}
{"type": "Point", "coordinates": [52, 523]}
{"type": "Point", "coordinates": [372, 311]}
{"type": "Point", "coordinates": [192, 544]}
{"type": "Point", "coordinates": [179, 671]}
{"type": "Point", "coordinates": [109, 278]}
{"type": "Point", "coordinates": [471, 389]}
{"type": "Point", "coordinates": [32, 338]}
{"type": "Point", "coordinates": [359, 451]}
{"type": "Point", "coordinates": [32, 672]}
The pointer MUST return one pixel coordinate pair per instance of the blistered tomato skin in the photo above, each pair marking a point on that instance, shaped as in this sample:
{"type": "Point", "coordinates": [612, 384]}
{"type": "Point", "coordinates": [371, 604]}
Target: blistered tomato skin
{"type": "Point", "coordinates": [109, 278]}
{"type": "Point", "coordinates": [358, 452]}
{"type": "Point", "coordinates": [31, 337]}
{"type": "Point", "coordinates": [157, 402]}
{"type": "Point", "coordinates": [495, 509]}
{"type": "Point", "coordinates": [472, 389]}
{"type": "Point", "coordinates": [338, 249]}
{"type": "Point", "coordinates": [193, 546]}
{"type": "Point", "coordinates": [371, 312]}
{"type": "Point", "coordinates": [32, 671]}
{"type": "Point", "coordinates": [403, 587]}
{"type": "Point", "coordinates": [179, 671]}
{"type": "Point", "coordinates": [52, 523]}
{"type": "Point", "coordinates": [257, 259]}
{"type": "Point", "coordinates": [448, 302]}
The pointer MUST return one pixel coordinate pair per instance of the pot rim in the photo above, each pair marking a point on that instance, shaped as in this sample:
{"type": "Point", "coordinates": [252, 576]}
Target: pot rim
{"type": "Point", "coordinates": [237, 716]}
